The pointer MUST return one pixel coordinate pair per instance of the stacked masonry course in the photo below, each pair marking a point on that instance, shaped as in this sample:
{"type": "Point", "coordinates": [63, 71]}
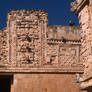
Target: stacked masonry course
{"type": "Point", "coordinates": [34, 52]}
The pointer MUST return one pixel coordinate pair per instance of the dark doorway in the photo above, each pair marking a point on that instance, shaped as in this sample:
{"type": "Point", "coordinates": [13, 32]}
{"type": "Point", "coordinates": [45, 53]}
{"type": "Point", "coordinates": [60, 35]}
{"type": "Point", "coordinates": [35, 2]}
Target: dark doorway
{"type": "Point", "coordinates": [89, 89]}
{"type": "Point", "coordinates": [5, 83]}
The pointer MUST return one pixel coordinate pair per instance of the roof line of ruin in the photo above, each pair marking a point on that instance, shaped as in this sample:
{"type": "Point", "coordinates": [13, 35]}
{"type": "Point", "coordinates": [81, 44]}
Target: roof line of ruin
{"type": "Point", "coordinates": [29, 10]}
{"type": "Point", "coordinates": [14, 11]}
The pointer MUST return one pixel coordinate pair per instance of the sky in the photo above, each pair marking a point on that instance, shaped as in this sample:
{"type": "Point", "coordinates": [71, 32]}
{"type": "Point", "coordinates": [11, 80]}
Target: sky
{"type": "Point", "coordinates": [58, 10]}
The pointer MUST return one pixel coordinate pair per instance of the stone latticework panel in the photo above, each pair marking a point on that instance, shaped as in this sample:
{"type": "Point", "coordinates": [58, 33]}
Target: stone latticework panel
{"type": "Point", "coordinates": [69, 56]}
{"type": "Point", "coordinates": [63, 56]}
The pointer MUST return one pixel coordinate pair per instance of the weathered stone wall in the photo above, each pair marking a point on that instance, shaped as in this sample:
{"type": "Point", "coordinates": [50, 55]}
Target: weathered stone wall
{"type": "Point", "coordinates": [33, 45]}
{"type": "Point", "coordinates": [41, 58]}
{"type": "Point", "coordinates": [63, 47]}
{"type": "Point", "coordinates": [27, 36]}
{"type": "Point", "coordinates": [45, 83]}
{"type": "Point", "coordinates": [70, 33]}
{"type": "Point", "coordinates": [86, 43]}
{"type": "Point", "coordinates": [84, 11]}
{"type": "Point", "coordinates": [3, 48]}
{"type": "Point", "coordinates": [84, 22]}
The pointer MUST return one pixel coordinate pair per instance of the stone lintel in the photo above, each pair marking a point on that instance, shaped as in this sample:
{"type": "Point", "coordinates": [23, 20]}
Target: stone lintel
{"type": "Point", "coordinates": [42, 70]}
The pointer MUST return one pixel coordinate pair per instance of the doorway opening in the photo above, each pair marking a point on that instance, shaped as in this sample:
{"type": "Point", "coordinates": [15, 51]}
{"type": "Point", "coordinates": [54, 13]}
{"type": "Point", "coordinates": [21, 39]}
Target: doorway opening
{"type": "Point", "coordinates": [5, 83]}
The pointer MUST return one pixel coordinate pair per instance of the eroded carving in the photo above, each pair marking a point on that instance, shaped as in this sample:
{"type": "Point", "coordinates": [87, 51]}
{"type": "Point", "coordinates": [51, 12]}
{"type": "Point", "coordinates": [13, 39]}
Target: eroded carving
{"type": "Point", "coordinates": [34, 44]}
{"type": "Point", "coordinates": [68, 56]}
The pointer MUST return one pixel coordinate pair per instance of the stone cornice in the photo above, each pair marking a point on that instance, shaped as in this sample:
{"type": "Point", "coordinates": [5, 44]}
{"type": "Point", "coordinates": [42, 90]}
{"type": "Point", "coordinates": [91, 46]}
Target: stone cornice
{"type": "Point", "coordinates": [76, 6]}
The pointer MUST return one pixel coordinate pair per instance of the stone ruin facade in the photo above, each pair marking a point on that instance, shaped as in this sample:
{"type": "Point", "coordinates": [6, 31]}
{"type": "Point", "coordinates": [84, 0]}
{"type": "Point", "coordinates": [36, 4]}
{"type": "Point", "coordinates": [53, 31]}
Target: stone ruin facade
{"type": "Point", "coordinates": [83, 8]}
{"type": "Point", "coordinates": [28, 42]}
{"type": "Point", "coordinates": [36, 56]}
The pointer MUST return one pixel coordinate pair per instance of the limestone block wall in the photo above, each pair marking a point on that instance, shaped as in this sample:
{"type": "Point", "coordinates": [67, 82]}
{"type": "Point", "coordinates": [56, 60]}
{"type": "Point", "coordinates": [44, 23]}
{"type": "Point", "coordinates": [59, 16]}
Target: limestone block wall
{"type": "Point", "coordinates": [63, 47]}
{"type": "Point", "coordinates": [40, 57]}
{"type": "Point", "coordinates": [34, 46]}
{"type": "Point", "coordinates": [45, 83]}
{"type": "Point", "coordinates": [71, 33]}
{"type": "Point", "coordinates": [4, 48]}
{"type": "Point", "coordinates": [86, 41]}
{"type": "Point", "coordinates": [85, 32]}
{"type": "Point", "coordinates": [84, 11]}
{"type": "Point", "coordinates": [27, 36]}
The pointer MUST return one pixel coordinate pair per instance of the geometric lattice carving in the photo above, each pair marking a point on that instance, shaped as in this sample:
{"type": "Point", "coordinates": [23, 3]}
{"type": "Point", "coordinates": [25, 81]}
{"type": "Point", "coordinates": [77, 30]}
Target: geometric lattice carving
{"type": "Point", "coordinates": [68, 56]}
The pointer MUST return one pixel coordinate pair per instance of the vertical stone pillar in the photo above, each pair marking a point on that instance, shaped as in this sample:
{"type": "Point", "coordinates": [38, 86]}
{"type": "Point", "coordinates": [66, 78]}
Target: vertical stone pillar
{"type": "Point", "coordinates": [44, 38]}
{"type": "Point", "coordinates": [84, 12]}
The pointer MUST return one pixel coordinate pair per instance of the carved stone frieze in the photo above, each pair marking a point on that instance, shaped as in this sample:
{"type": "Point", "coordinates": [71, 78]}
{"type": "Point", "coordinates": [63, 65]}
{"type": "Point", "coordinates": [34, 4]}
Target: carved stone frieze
{"type": "Point", "coordinates": [69, 56]}
{"type": "Point", "coordinates": [33, 46]}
